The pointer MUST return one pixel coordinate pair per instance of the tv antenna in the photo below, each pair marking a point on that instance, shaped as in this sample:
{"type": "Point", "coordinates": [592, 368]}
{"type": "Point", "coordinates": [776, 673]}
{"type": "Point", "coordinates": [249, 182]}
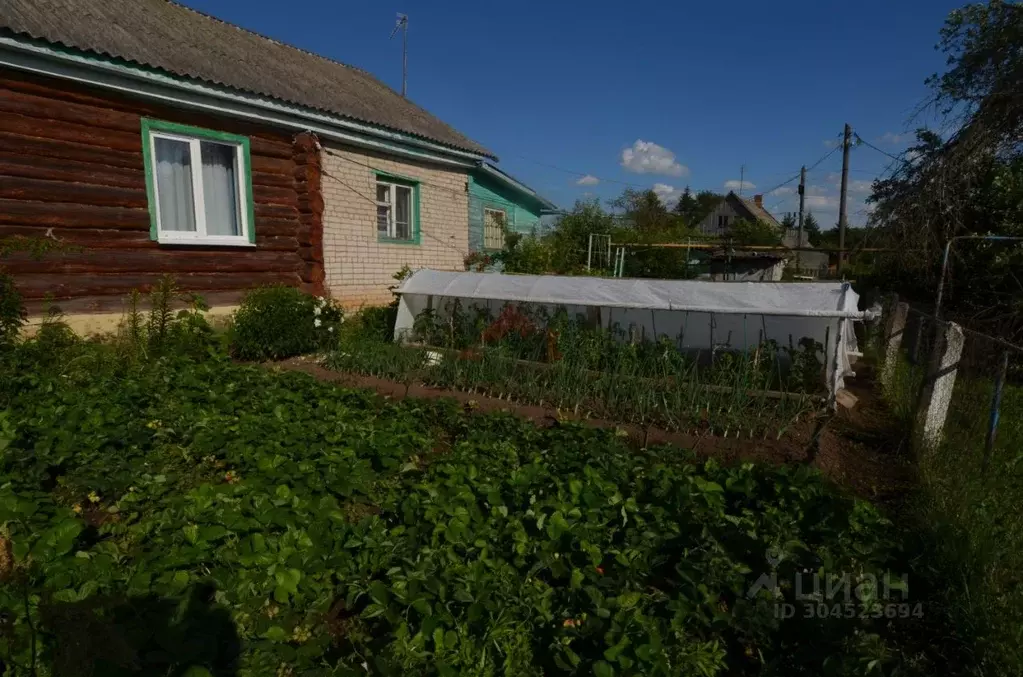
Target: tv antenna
{"type": "Point", "coordinates": [402, 24]}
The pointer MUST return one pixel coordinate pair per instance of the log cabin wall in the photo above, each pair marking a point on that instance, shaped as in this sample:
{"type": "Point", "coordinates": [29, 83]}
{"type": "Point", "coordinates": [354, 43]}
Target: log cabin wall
{"type": "Point", "coordinates": [71, 168]}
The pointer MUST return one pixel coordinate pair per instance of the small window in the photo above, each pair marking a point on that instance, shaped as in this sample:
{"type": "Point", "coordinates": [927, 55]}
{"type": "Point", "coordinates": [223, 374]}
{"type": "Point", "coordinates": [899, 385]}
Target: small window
{"type": "Point", "coordinates": [198, 184]}
{"type": "Point", "coordinates": [493, 228]}
{"type": "Point", "coordinates": [396, 210]}
{"type": "Point", "coordinates": [722, 221]}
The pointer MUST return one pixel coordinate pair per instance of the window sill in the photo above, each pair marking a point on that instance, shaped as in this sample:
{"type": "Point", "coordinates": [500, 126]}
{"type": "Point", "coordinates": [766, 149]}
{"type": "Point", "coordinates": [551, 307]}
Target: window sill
{"type": "Point", "coordinates": [206, 242]}
{"type": "Point", "coordinates": [388, 240]}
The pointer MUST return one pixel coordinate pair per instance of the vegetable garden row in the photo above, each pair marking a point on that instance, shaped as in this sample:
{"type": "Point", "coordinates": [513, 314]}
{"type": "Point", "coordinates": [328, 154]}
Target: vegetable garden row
{"type": "Point", "coordinates": [559, 362]}
{"type": "Point", "coordinates": [167, 510]}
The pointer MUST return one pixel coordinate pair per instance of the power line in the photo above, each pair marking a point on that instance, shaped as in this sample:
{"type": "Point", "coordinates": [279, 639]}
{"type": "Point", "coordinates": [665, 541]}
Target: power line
{"type": "Point", "coordinates": [860, 139]}
{"type": "Point", "coordinates": [420, 230]}
{"type": "Point", "coordinates": [579, 174]}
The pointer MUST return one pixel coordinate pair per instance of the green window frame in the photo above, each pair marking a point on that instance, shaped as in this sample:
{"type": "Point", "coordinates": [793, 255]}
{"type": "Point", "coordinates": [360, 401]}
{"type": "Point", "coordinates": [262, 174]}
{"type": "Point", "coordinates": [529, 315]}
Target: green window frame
{"type": "Point", "coordinates": [390, 189]}
{"type": "Point", "coordinates": [195, 138]}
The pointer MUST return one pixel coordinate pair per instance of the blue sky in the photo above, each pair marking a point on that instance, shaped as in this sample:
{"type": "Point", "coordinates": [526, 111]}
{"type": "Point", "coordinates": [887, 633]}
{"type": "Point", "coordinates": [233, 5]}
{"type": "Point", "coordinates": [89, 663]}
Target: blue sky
{"type": "Point", "coordinates": [652, 94]}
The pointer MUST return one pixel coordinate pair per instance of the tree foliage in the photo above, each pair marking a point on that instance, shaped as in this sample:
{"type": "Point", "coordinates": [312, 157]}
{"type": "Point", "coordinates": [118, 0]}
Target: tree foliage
{"type": "Point", "coordinates": [693, 209]}
{"type": "Point", "coordinates": [754, 233]}
{"type": "Point", "coordinates": [968, 179]}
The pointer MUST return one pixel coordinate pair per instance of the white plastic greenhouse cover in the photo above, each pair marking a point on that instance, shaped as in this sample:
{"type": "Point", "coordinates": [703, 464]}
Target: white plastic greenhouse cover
{"type": "Point", "coordinates": [704, 314]}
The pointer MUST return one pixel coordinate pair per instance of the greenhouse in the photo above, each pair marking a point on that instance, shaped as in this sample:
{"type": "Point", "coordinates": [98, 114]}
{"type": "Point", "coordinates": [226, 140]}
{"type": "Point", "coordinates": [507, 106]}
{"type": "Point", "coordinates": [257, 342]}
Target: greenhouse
{"type": "Point", "coordinates": [700, 317]}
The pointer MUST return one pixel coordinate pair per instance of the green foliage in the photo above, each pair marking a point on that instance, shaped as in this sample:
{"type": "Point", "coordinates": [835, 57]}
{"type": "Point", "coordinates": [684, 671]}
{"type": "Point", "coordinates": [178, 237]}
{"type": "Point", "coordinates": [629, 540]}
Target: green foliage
{"type": "Point", "coordinates": [278, 322]}
{"type": "Point", "coordinates": [812, 230]}
{"type": "Point", "coordinates": [970, 529]}
{"type": "Point", "coordinates": [755, 233]}
{"type": "Point", "coordinates": [162, 331]}
{"type": "Point", "coordinates": [641, 218]}
{"type": "Point", "coordinates": [693, 209]}
{"type": "Point", "coordinates": [12, 311]}
{"type": "Point", "coordinates": [203, 517]}
{"type": "Point", "coordinates": [553, 360]}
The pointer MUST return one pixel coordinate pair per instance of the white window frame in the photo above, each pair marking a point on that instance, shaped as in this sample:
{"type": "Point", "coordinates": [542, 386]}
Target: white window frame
{"type": "Point", "coordinates": [199, 236]}
{"type": "Point", "coordinates": [390, 204]}
{"type": "Point", "coordinates": [503, 222]}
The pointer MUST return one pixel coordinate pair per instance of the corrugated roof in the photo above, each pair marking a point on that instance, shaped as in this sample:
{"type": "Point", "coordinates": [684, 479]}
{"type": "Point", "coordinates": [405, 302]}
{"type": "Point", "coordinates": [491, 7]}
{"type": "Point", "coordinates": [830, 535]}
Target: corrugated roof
{"type": "Point", "coordinates": [165, 35]}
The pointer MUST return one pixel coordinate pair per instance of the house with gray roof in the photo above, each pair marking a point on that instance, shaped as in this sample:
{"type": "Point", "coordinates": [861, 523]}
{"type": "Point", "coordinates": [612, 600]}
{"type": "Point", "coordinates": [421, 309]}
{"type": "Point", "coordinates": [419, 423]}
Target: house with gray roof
{"type": "Point", "coordinates": [734, 208]}
{"type": "Point", "coordinates": [155, 139]}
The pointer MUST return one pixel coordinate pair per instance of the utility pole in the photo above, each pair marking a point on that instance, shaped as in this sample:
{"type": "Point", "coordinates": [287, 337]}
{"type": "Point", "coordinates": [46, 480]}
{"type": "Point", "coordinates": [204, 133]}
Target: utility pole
{"type": "Point", "coordinates": [403, 25]}
{"type": "Point", "coordinates": [802, 194]}
{"type": "Point", "coordinates": [842, 197]}
{"type": "Point", "coordinates": [742, 177]}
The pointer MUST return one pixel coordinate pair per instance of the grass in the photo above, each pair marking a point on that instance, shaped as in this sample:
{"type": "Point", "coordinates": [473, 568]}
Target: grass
{"type": "Point", "coordinates": [599, 373]}
{"type": "Point", "coordinates": [969, 520]}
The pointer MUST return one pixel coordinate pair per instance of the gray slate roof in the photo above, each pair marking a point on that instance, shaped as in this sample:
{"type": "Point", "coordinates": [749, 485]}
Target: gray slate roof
{"type": "Point", "coordinates": [165, 35]}
{"type": "Point", "coordinates": [756, 213]}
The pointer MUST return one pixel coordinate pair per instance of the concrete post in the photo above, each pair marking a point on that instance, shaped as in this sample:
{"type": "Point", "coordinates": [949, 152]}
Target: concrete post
{"type": "Point", "coordinates": [894, 328]}
{"type": "Point", "coordinates": [939, 383]}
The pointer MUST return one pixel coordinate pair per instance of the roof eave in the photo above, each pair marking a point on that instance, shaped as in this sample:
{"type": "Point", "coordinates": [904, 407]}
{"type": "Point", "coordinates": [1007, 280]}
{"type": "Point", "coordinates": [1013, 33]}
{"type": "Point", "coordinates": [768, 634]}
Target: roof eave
{"type": "Point", "coordinates": [546, 206]}
{"type": "Point", "coordinates": [90, 68]}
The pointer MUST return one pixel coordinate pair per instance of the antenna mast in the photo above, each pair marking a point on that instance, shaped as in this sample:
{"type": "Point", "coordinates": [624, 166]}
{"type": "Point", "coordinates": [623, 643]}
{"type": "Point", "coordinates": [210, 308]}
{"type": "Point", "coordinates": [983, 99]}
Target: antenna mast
{"type": "Point", "coordinates": [402, 23]}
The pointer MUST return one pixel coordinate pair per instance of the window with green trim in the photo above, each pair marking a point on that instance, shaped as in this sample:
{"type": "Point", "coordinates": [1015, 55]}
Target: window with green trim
{"type": "Point", "coordinates": [397, 209]}
{"type": "Point", "coordinates": [199, 185]}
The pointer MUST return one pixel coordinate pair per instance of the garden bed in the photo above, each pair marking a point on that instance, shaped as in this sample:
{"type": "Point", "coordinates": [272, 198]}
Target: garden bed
{"type": "Point", "coordinates": [194, 514]}
{"type": "Point", "coordinates": [799, 444]}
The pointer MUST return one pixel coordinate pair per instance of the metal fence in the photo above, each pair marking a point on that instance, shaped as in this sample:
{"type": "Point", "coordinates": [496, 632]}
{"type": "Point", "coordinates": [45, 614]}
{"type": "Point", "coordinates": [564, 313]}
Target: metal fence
{"type": "Point", "coordinates": [979, 384]}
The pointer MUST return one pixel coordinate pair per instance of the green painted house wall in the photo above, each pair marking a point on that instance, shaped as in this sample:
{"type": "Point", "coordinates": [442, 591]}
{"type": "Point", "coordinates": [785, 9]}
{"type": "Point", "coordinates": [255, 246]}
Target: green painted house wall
{"type": "Point", "coordinates": [522, 214]}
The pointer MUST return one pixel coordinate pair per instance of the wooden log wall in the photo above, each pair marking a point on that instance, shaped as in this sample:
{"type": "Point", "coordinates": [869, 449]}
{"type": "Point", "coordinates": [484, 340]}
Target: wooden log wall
{"type": "Point", "coordinates": [71, 168]}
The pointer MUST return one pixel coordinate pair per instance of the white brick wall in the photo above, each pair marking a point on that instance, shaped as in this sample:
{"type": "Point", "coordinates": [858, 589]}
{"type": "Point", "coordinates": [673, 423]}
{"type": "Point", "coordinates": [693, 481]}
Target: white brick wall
{"type": "Point", "coordinates": [359, 268]}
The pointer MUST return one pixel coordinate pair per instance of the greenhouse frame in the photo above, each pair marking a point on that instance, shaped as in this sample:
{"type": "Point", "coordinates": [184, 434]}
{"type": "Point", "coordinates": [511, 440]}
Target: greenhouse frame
{"type": "Point", "coordinates": [701, 316]}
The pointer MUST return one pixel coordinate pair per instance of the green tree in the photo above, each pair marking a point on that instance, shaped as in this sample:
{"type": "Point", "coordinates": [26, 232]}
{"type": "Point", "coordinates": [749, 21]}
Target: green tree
{"type": "Point", "coordinates": [754, 233]}
{"type": "Point", "coordinates": [812, 229]}
{"type": "Point", "coordinates": [789, 221]}
{"type": "Point", "coordinates": [967, 180]}
{"type": "Point", "coordinates": [694, 208]}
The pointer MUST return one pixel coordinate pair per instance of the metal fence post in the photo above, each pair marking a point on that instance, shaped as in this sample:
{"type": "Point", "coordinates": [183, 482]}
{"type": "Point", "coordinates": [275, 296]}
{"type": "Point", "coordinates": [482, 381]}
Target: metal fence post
{"type": "Point", "coordinates": [996, 405]}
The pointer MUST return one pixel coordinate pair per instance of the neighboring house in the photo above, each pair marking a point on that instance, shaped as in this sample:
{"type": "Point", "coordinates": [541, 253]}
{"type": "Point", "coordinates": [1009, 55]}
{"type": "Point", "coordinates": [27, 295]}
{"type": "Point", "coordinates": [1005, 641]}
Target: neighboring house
{"type": "Point", "coordinates": [500, 203]}
{"type": "Point", "coordinates": [734, 208]}
{"type": "Point", "coordinates": [155, 139]}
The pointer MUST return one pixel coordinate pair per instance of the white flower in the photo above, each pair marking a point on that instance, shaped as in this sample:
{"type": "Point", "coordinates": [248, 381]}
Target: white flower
{"type": "Point", "coordinates": [330, 329]}
{"type": "Point", "coordinates": [317, 310]}
{"type": "Point", "coordinates": [316, 322]}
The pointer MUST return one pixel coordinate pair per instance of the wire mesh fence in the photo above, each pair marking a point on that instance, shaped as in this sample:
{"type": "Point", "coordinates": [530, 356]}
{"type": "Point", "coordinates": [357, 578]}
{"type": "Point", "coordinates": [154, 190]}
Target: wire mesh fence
{"type": "Point", "coordinates": [983, 426]}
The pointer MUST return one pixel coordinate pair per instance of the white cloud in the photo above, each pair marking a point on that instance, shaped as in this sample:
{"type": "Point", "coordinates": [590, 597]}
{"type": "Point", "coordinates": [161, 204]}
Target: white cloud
{"type": "Point", "coordinates": [735, 184]}
{"type": "Point", "coordinates": [895, 139]}
{"type": "Point", "coordinates": [669, 194]}
{"type": "Point", "coordinates": [831, 143]}
{"type": "Point", "coordinates": [646, 157]}
{"type": "Point", "coordinates": [588, 180]}
{"type": "Point", "coordinates": [860, 186]}
{"type": "Point", "coordinates": [783, 191]}
{"type": "Point", "coordinates": [821, 201]}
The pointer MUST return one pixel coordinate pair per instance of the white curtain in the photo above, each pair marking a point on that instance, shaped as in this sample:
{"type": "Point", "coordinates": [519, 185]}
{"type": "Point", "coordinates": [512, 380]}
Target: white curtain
{"type": "Point", "coordinates": [220, 189]}
{"type": "Point", "coordinates": [174, 183]}
{"type": "Point", "coordinates": [403, 213]}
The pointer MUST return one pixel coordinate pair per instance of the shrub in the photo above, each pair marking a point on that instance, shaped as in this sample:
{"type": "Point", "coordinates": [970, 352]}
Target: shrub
{"type": "Point", "coordinates": [278, 322]}
{"type": "Point", "coordinates": [162, 331]}
{"type": "Point", "coordinates": [12, 310]}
